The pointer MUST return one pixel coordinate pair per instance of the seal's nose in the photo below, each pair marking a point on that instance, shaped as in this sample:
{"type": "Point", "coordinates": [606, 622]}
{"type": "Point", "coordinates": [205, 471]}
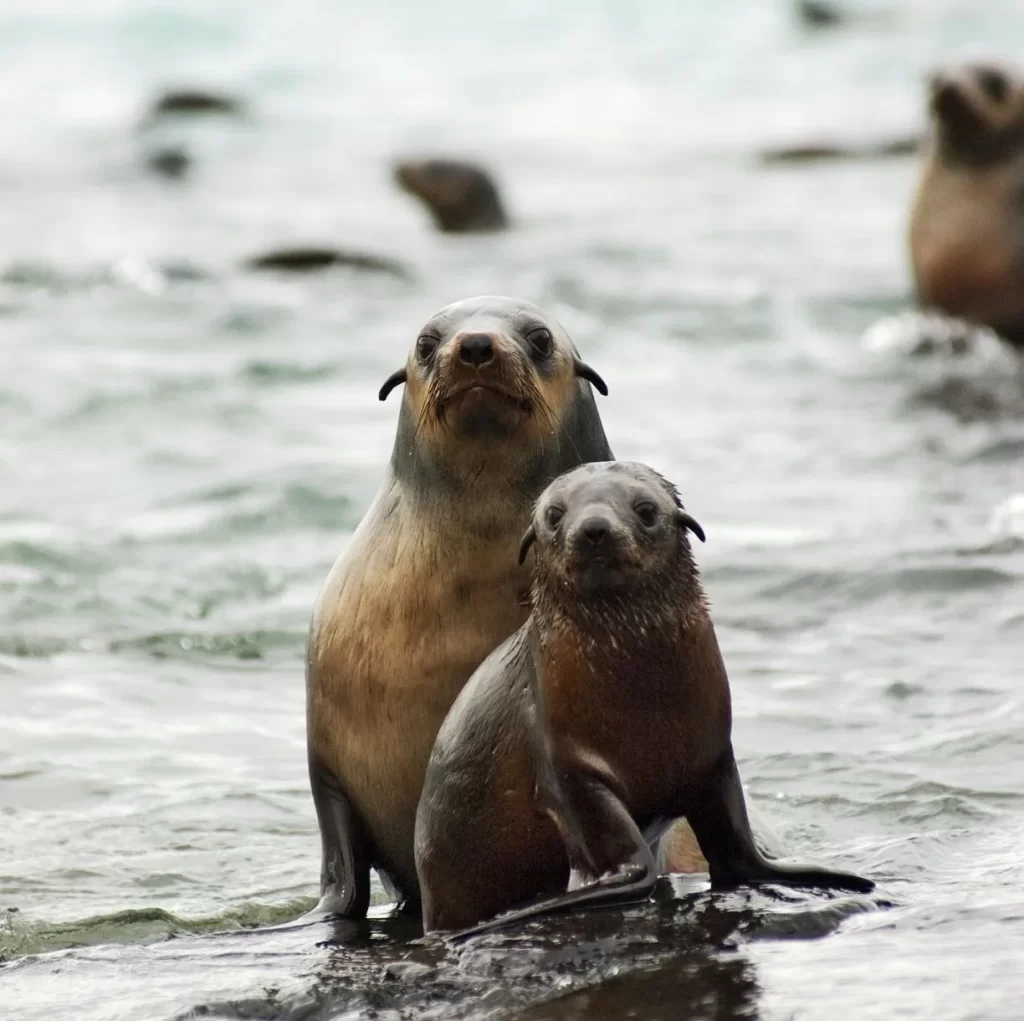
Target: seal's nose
{"type": "Point", "coordinates": [595, 530]}
{"type": "Point", "coordinates": [476, 349]}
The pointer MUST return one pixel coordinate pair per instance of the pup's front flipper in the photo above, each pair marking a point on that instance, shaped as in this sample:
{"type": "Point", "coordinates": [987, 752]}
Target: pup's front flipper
{"type": "Point", "coordinates": [718, 815]}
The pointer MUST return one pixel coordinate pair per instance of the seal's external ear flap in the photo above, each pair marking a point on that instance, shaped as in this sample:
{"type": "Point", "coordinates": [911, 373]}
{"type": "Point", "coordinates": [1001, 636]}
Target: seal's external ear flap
{"type": "Point", "coordinates": [395, 379]}
{"type": "Point", "coordinates": [584, 371]}
{"type": "Point", "coordinates": [684, 520]}
{"type": "Point", "coordinates": [528, 540]}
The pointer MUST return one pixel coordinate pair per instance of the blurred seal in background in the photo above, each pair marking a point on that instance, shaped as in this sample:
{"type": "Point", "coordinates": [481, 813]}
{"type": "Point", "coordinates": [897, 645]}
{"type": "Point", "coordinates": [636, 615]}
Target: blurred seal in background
{"type": "Point", "coordinates": [967, 221]}
{"type": "Point", "coordinates": [461, 196]}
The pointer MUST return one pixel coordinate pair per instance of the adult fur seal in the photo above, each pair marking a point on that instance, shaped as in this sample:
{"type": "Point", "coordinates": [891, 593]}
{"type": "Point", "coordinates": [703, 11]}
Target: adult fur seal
{"type": "Point", "coordinates": [461, 196]}
{"type": "Point", "coordinates": [967, 221]}
{"type": "Point", "coordinates": [496, 404]}
{"type": "Point", "coordinates": [604, 718]}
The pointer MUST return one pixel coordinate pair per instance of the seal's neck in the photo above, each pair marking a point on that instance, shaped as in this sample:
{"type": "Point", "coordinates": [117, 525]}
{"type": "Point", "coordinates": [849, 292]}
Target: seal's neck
{"type": "Point", "coordinates": [643, 623]}
{"type": "Point", "coordinates": [467, 471]}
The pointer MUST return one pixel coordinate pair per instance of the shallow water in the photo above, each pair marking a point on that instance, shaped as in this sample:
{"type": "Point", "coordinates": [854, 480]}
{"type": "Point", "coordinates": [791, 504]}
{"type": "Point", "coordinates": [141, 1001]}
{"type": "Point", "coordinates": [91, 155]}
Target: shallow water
{"type": "Point", "coordinates": [181, 459]}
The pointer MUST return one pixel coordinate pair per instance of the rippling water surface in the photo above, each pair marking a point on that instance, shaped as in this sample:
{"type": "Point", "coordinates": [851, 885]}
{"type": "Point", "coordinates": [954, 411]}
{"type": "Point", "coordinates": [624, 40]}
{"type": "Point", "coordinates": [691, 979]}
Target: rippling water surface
{"type": "Point", "coordinates": [182, 456]}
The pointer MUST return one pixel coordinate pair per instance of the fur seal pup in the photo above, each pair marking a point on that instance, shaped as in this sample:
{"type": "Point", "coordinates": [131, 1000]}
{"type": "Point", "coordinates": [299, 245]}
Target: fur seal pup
{"type": "Point", "coordinates": [602, 719]}
{"type": "Point", "coordinates": [497, 403]}
{"type": "Point", "coordinates": [966, 228]}
{"type": "Point", "coordinates": [461, 196]}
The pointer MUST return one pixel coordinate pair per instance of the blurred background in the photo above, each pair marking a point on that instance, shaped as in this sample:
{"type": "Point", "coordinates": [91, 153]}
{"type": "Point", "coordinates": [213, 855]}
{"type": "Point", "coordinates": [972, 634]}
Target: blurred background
{"type": "Point", "coordinates": [187, 441]}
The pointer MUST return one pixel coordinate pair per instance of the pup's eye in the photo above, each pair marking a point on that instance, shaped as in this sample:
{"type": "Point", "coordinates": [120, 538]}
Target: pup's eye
{"type": "Point", "coordinates": [540, 340]}
{"type": "Point", "coordinates": [994, 84]}
{"type": "Point", "coordinates": [426, 345]}
{"type": "Point", "coordinates": [647, 513]}
{"type": "Point", "coordinates": [554, 515]}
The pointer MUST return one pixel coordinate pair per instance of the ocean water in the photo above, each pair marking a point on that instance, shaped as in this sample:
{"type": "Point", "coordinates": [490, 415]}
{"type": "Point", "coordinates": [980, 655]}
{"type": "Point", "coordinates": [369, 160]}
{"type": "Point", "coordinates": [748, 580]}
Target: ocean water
{"type": "Point", "coordinates": [183, 455]}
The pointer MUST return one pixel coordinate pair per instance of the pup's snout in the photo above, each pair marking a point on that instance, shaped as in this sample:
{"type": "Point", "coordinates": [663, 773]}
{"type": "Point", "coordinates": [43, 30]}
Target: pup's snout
{"type": "Point", "coordinates": [594, 535]}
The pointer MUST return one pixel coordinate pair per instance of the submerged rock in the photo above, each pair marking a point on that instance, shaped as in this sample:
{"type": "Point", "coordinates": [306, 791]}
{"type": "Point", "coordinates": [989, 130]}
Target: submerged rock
{"type": "Point", "coordinates": [194, 102]}
{"type": "Point", "coordinates": [819, 14]}
{"type": "Point", "coordinates": [312, 259]}
{"type": "Point", "coordinates": [171, 161]}
{"type": "Point", "coordinates": [821, 150]}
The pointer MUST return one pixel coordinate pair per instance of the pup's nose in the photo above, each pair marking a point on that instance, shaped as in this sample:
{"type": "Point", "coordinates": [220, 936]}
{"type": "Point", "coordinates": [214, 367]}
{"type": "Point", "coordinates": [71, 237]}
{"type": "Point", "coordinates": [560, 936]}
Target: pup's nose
{"type": "Point", "coordinates": [476, 349]}
{"type": "Point", "coordinates": [595, 530]}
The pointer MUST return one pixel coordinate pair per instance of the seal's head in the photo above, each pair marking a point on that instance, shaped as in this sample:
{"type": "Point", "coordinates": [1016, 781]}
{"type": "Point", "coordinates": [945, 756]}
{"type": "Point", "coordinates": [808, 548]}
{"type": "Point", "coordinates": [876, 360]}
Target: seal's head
{"type": "Point", "coordinates": [461, 196]}
{"type": "Point", "coordinates": [610, 530]}
{"type": "Point", "coordinates": [977, 114]}
{"type": "Point", "coordinates": [490, 382]}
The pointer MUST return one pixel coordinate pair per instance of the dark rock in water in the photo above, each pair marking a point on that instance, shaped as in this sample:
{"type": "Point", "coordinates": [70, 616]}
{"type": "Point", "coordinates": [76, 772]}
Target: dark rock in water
{"type": "Point", "coordinates": [461, 196]}
{"type": "Point", "coordinates": [820, 151]}
{"type": "Point", "coordinates": [973, 373]}
{"type": "Point", "coordinates": [313, 259]}
{"type": "Point", "coordinates": [931, 333]}
{"type": "Point", "coordinates": [970, 399]}
{"type": "Point", "coordinates": [819, 14]}
{"type": "Point", "coordinates": [194, 102]}
{"type": "Point", "coordinates": [181, 271]}
{"type": "Point", "coordinates": [708, 986]}
{"type": "Point", "coordinates": [171, 161]}
{"type": "Point", "coordinates": [680, 956]}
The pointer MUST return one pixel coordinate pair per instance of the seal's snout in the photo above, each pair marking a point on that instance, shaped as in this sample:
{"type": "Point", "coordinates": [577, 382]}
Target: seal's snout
{"type": "Point", "coordinates": [595, 531]}
{"type": "Point", "coordinates": [954, 100]}
{"type": "Point", "coordinates": [595, 537]}
{"type": "Point", "coordinates": [476, 349]}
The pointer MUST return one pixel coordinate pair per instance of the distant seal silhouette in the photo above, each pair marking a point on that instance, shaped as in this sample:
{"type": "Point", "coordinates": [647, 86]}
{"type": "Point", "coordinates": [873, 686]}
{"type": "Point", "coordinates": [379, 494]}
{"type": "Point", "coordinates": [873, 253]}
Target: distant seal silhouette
{"type": "Point", "coordinates": [603, 718]}
{"type": "Point", "coordinates": [966, 230]}
{"type": "Point", "coordinates": [496, 404]}
{"type": "Point", "coordinates": [314, 258]}
{"type": "Point", "coordinates": [461, 196]}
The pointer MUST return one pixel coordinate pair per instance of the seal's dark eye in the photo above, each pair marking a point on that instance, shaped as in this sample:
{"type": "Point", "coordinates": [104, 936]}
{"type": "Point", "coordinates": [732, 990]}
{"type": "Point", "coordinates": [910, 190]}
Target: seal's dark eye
{"type": "Point", "coordinates": [994, 84]}
{"type": "Point", "coordinates": [426, 345]}
{"type": "Point", "coordinates": [540, 340]}
{"type": "Point", "coordinates": [647, 513]}
{"type": "Point", "coordinates": [554, 515]}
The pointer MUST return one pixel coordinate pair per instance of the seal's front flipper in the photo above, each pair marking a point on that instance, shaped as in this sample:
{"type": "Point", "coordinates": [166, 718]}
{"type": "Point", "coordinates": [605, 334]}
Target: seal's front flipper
{"type": "Point", "coordinates": [718, 815]}
{"type": "Point", "coordinates": [345, 869]}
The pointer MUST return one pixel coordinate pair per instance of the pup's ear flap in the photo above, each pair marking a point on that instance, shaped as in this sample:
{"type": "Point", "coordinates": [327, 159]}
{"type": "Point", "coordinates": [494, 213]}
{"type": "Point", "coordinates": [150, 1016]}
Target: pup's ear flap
{"type": "Point", "coordinates": [528, 540]}
{"type": "Point", "coordinates": [684, 520]}
{"type": "Point", "coordinates": [584, 371]}
{"type": "Point", "coordinates": [396, 378]}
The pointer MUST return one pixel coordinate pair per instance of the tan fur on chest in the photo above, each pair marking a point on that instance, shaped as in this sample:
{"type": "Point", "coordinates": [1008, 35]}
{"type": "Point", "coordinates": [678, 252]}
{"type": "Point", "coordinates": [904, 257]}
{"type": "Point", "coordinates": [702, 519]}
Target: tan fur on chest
{"type": "Point", "coordinates": [967, 242]}
{"type": "Point", "coordinates": [407, 614]}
